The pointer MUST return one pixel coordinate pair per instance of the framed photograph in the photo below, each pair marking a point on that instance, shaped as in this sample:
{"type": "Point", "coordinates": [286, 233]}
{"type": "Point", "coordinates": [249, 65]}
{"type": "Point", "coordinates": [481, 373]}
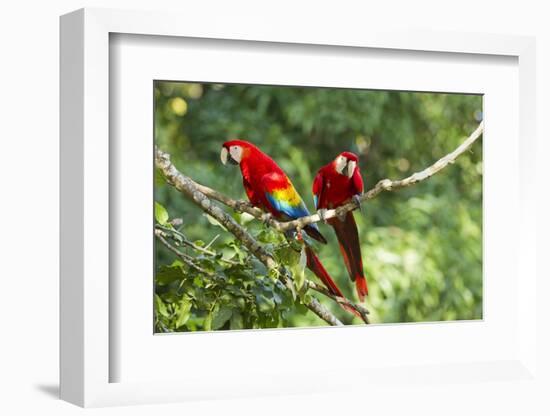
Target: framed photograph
{"type": "Point", "coordinates": [247, 215]}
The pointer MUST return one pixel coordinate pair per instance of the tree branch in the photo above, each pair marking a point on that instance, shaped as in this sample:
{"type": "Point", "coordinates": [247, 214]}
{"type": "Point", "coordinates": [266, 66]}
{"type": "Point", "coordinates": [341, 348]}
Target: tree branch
{"type": "Point", "coordinates": [382, 185]}
{"type": "Point", "coordinates": [189, 188]}
{"type": "Point", "coordinates": [360, 309]}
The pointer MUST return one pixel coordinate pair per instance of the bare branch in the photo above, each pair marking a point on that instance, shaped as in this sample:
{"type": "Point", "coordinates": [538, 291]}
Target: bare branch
{"type": "Point", "coordinates": [236, 204]}
{"type": "Point", "coordinates": [189, 188]}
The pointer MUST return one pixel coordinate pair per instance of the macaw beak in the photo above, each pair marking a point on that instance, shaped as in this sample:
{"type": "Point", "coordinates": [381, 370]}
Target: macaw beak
{"type": "Point", "coordinates": [225, 157]}
{"type": "Point", "coordinates": [350, 166]}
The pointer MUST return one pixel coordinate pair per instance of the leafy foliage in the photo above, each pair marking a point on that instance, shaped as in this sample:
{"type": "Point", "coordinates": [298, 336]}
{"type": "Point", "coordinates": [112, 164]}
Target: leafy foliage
{"type": "Point", "coordinates": [422, 246]}
{"type": "Point", "coordinates": [228, 288]}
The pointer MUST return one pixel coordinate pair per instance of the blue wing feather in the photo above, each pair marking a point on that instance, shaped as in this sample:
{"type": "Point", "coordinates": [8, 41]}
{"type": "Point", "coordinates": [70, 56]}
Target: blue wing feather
{"type": "Point", "coordinates": [287, 202]}
{"type": "Point", "coordinates": [291, 211]}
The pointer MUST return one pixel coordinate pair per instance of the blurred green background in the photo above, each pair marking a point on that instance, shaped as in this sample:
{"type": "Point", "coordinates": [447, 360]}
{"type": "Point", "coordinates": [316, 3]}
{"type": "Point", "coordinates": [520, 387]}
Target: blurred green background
{"type": "Point", "coordinates": [422, 246]}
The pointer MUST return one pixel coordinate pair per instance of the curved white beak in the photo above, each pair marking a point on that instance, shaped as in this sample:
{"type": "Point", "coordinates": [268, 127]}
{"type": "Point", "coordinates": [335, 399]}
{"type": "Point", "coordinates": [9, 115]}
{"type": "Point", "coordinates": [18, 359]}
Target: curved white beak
{"type": "Point", "coordinates": [223, 155]}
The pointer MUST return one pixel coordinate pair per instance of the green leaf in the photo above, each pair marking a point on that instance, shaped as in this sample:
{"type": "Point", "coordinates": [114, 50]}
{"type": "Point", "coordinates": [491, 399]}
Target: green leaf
{"type": "Point", "coordinates": [169, 274]}
{"type": "Point", "coordinates": [268, 235]}
{"type": "Point", "coordinates": [265, 304]}
{"type": "Point", "coordinates": [160, 307]}
{"type": "Point", "coordinates": [161, 215]}
{"type": "Point", "coordinates": [159, 178]}
{"type": "Point", "coordinates": [207, 325]}
{"type": "Point", "coordinates": [221, 316]}
{"type": "Point", "coordinates": [214, 221]}
{"type": "Point", "coordinates": [239, 253]}
{"type": "Point", "coordinates": [236, 321]}
{"type": "Point", "coordinates": [184, 312]}
{"type": "Point", "coordinates": [287, 255]}
{"type": "Point", "coordinates": [298, 270]}
{"type": "Point", "coordinates": [240, 302]}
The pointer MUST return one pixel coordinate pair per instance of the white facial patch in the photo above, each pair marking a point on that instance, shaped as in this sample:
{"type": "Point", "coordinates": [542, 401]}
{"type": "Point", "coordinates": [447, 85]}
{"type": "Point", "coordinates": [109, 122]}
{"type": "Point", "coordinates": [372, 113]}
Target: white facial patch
{"type": "Point", "coordinates": [351, 168]}
{"type": "Point", "coordinates": [236, 153]}
{"type": "Point", "coordinates": [223, 155]}
{"type": "Point", "coordinates": [340, 164]}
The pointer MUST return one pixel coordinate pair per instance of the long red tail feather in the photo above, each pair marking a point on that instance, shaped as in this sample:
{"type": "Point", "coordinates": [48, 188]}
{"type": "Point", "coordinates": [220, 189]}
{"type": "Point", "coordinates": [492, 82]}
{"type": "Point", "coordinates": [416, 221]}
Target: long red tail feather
{"type": "Point", "coordinates": [348, 238]}
{"type": "Point", "coordinates": [315, 265]}
{"type": "Point", "coordinates": [361, 286]}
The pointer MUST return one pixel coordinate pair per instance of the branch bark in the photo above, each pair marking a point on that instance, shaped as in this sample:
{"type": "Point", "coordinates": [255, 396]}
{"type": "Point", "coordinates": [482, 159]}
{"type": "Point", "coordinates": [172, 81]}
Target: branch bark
{"type": "Point", "coordinates": [189, 188]}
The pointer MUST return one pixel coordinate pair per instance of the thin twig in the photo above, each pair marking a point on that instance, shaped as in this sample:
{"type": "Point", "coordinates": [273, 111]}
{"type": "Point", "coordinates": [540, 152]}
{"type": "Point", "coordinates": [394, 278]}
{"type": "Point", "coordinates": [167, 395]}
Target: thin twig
{"type": "Point", "coordinates": [184, 257]}
{"type": "Point", "coordinates": [189, 243]}
{"type": "Point", "coordinates": [212, 241]}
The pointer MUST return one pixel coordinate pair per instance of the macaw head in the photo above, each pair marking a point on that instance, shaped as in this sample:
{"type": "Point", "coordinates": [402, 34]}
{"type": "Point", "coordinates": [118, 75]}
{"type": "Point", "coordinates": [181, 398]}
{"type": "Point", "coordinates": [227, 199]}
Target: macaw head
{"type": "Point", "coordinates": [235, 151]}
{"type": "Point", "coordinates": [345, 164]}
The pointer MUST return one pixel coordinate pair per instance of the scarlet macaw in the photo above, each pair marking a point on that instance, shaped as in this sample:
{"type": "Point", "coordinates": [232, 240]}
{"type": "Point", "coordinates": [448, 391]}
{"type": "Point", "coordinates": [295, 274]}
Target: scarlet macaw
{"type": "Point", "coordinates": [334, 185]}
{"type": "Point", "coordinates": [270, 189]}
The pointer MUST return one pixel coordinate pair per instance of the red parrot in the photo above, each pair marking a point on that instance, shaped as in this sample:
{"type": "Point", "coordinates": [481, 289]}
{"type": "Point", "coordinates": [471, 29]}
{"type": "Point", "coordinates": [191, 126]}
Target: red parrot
{"type": "Point", "coordinates": [270, 189]}
{"type": "Point", "coordinates": [336, 184]}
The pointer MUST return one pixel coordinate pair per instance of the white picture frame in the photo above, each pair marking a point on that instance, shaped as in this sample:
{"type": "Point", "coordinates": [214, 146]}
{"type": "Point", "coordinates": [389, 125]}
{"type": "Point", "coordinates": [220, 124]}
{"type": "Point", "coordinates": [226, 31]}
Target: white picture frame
{"type": "Point", "coordinates": [86, 356]}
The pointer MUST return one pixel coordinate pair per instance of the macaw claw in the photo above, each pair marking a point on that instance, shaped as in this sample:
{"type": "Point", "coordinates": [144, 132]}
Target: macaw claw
{"type": "Point", "coordinates": [322, 213]}
{"type": "Point", "coordinates": [266, 218]}
{"type": "Point", "coordinates": [357, 201]}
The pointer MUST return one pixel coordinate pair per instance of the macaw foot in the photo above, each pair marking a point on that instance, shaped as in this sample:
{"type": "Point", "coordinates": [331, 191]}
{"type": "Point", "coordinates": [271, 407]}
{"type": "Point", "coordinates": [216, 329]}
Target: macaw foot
{"type": "Point", "coordinates": [322, 213]}
{"type": "Point", "coordinates": [243, 205]}
{"type": "Point", "coordinates": [266, 218]}
{"type": "Point", "coordinates": [357, 201]}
